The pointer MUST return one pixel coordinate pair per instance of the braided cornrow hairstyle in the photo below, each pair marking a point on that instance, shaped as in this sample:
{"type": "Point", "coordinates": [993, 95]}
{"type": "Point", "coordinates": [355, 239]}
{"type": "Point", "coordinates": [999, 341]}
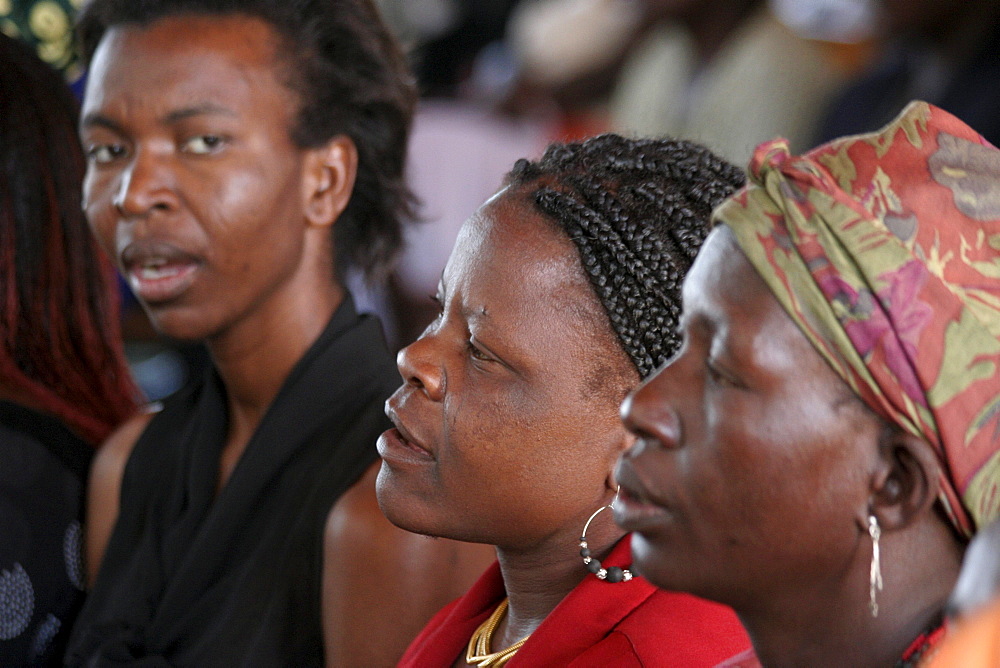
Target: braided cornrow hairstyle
{"type": "Point", "coordinates": [637, 211]}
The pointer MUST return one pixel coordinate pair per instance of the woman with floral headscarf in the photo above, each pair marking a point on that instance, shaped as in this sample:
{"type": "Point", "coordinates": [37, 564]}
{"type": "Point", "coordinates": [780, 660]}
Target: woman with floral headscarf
{"type": "Point", "coordinates": [828, 438]}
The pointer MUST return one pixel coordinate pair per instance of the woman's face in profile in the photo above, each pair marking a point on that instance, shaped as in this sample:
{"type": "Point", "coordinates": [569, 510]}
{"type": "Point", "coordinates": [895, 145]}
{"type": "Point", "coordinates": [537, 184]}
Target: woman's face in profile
{"type": "Point", "coordinates": [751, 469]}
{"type": "Point", "coordinates": [507, 419]}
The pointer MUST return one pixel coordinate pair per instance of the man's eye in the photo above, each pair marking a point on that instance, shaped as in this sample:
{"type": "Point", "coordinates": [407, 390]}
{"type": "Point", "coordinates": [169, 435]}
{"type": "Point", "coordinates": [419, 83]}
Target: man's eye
{"type": "Point", "coordinates": [203, 144]}
{"type": "Point", "coordinates": [104, 153]}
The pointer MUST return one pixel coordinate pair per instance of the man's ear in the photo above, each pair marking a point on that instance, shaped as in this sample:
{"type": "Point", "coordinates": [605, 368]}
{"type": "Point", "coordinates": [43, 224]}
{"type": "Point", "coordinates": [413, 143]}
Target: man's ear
{"type": "Point", "coordinates": [328, 180]}
{"type": "Point", "coordinates": [908, 479]}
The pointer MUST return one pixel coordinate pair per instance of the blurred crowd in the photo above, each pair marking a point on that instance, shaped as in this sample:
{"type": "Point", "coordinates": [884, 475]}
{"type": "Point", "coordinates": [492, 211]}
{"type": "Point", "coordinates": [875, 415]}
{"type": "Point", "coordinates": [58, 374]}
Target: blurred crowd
{"type": "Point", "coordinates": [500, 79]}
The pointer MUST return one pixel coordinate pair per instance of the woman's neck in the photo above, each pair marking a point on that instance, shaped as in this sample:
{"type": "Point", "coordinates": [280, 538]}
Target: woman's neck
{"type": "Point", "coordinates": [255, 355]}
{"type": "Point", "coordinates": [536, 580]}
{"type": "Point", "coordinates": [827, 641]}
{"type": "Point", "coordinates": [254, 360]}
{"type": "Point", "coordinates": [830, 623]}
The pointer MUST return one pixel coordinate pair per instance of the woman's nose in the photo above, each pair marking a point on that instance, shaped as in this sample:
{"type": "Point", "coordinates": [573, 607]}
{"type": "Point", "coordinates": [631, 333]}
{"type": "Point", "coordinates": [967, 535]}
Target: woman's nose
{"type": "Point", "coordinates": [145, 185]}
{"type": "Point", "coordinates": [650, 412]}
{"type": "Point", "coordinates": [421, 367]}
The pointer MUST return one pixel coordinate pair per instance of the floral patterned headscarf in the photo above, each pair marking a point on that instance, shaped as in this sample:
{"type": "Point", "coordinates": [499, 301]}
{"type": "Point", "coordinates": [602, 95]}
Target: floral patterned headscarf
{"type": "Point", "coordinates": [885, 250]}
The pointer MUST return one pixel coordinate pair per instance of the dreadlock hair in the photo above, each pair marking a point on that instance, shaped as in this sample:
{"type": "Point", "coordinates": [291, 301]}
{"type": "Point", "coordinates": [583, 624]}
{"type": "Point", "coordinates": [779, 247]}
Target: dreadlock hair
{"type": "Point", "coordinates": [351, 78]}
{"type": "Point", "coordinates": [60, 346]}
{"type": "Point", "coordinates": [638, 211]}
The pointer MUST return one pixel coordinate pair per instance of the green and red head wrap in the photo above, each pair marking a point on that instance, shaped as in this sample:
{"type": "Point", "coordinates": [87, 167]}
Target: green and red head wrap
{"type": "Point", "coordinates": [885, 250]}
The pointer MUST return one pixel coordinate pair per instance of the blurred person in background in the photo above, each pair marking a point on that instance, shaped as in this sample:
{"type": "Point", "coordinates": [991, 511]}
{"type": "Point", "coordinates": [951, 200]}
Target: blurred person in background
{"type": "Point", "coordinates": [975, 607]}
{"type": "Point", "coordinates": [946, 52]}
{"type": "Point", "coordinates": [64, 384]}
{"type": "Point", "coordinates": [569, 54]}
{"type": "Point", "coordinates": [726, 73]}
{"type": "Point", "coordinates": [461, 143]}
{"type": "Point", "coordinates": [445, 38]}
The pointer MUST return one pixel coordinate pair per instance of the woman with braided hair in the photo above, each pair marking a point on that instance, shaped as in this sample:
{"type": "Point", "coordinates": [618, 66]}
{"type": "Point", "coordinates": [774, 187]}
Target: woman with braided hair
{"type": "Point", "coordinates": [560, 295]}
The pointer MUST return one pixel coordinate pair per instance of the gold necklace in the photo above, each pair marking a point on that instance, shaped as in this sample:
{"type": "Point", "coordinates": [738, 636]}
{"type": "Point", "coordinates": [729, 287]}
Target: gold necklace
{"type": "Point", "coordinates": [478, 652]}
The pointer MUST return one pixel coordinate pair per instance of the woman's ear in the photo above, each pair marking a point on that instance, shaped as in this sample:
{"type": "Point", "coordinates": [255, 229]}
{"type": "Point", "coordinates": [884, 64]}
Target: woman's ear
{"type": "Point", "coordinates": [908, 481]}
{"type": "Point", "coordinates": [328, 181]}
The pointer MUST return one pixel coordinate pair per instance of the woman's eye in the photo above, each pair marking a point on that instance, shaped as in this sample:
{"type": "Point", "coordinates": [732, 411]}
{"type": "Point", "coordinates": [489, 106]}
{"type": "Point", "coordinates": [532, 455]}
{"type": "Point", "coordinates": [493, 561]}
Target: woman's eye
{"type": "Point", "coordinates": [203, 144]}
{"type": "Point", "coordinates": [477, 353]}
{"type": "Point", "coordinates": [102, 154]}
{"type": "Point", "coordinates": [719, 377]}
{"type": "Point", "coordinates": [714, 373]}
{"type": "Point", "coordinates": [438, 307]}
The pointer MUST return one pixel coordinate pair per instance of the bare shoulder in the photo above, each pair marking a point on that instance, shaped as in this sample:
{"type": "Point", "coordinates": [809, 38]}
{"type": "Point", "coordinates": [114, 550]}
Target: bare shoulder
{"type": "Point", "coordinates": [104, 486]}
{"type": "Point", "coordinates": [356, 514]}
{"type": "Point", "coordinates": [115, 450]}
{"type": "Point", "coordinates": [382, 584]}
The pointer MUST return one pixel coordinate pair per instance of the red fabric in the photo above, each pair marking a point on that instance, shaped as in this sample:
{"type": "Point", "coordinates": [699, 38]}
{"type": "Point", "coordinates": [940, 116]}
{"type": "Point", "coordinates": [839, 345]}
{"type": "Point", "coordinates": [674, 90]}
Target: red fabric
{"type": "Point", "coordinates": [884, 248]}
{"type": "Point", "coordinates": [598, 624]}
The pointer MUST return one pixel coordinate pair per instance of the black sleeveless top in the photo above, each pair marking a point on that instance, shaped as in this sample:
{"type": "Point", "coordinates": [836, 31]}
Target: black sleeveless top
{"type": "Point", "coordinates": [191, 578]}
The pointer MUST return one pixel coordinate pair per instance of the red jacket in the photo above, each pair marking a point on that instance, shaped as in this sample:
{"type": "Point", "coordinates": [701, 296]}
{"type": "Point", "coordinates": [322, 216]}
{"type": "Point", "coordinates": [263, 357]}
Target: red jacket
{"type": "Point", "coordinates": [598, 624]}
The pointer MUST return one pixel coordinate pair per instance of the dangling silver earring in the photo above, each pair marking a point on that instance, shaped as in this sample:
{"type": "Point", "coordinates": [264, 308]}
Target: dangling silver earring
{"type": "Point", "coordinates": [613, 574]}
{"type": "Point", "coordinates": [875, 577]}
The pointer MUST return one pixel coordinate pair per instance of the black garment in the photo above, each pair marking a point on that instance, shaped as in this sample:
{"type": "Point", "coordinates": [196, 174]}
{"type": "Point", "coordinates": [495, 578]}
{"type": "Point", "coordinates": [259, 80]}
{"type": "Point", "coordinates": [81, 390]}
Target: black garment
{"type": "Point", "coordinates": [43, 467]}
{"type": "Point", "coordinates": [194, 579]}
{"type": "Point", "coordinates": [971, 92]}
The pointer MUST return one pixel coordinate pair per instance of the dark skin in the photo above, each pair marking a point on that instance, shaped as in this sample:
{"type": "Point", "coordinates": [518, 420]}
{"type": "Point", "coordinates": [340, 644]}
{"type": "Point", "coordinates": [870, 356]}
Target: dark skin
{"type": "Point", "coordinates": [506, 422]}
{"type": "Point", "coordinates": [223, 228]}
{"type": "Point", "coordinates": [752, 451]}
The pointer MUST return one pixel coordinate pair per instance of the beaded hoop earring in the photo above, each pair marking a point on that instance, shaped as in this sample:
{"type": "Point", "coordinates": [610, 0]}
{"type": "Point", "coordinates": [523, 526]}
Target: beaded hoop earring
{"type": "Point", "coordinates": [612, 574]}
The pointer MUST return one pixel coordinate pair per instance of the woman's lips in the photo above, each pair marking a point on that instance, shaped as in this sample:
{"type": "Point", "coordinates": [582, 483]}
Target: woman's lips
{"type": "Point", "coordinates": [399, 445]}
{"type": "Point", "coordinates": [160, 283]}
{"type": "Point", "coordinates": [632, 508]}
{"type": "Point", "coordinates": [157, 271]}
